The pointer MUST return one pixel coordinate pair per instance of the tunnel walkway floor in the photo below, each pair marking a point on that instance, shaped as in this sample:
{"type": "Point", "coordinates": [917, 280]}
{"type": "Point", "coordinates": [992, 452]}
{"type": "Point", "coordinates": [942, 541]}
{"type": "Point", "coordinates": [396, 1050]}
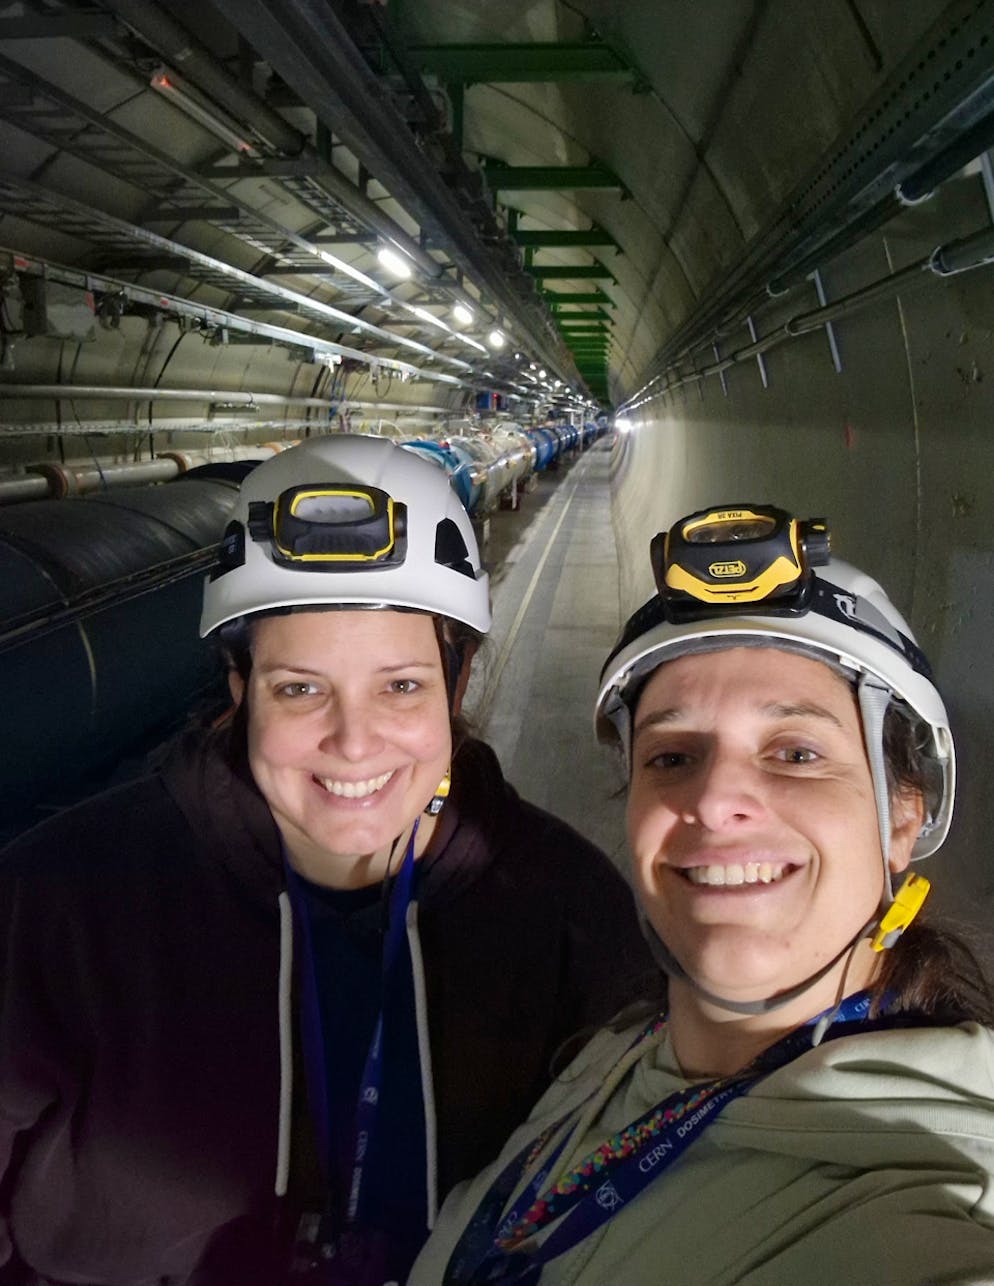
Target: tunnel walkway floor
{"type": "Point", "coordinates": [556, 617]}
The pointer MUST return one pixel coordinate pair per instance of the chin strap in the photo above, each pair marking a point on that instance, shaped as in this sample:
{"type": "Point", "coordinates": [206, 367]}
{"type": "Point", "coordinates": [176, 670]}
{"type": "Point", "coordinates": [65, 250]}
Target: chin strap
{"type": "Point", "coordinates": [668, 962]}
{"type": "Point", "coordinates": [884, 930]}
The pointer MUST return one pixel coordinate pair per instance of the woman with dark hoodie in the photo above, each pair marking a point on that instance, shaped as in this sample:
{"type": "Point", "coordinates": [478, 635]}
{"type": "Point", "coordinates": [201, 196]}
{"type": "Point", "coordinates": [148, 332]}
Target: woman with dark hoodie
{"type": "Point", "coordinates": [262, 1009]}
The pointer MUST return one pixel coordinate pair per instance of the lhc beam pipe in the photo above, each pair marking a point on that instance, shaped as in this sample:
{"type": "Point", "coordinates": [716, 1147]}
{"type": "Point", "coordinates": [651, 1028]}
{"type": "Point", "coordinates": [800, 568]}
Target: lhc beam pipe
{"type": "Point", "coordinates": [99, 606]}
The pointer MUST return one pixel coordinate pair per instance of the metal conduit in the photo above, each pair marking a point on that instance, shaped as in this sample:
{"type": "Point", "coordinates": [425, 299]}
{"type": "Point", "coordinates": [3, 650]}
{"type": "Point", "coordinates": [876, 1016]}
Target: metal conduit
{"type": "Point", "coordinates": [119, 394]}
{"type": "Point", "coordinates": [958, 256]}
{"type": "Point", "coordinates": [50, 480]}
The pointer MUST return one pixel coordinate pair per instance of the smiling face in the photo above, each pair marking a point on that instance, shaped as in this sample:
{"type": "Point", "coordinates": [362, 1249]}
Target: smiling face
{"type": "Point", "coordinates": [752, 820]}
{"type": "Point", "coordinates": [348, 733]}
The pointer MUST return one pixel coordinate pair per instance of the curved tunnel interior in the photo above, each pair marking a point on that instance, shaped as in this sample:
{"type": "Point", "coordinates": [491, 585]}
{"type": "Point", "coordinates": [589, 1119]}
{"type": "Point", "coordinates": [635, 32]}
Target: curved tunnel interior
{"type": "Point", "coordinates": [753, 235]}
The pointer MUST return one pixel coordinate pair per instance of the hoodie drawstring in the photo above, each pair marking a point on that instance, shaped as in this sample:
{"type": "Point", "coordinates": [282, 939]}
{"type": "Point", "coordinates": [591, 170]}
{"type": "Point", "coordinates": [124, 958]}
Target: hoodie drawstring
{"type": "Point", "coordinates": [424, 1061]}
{"type": "Point", "coordinates": [285, 984]}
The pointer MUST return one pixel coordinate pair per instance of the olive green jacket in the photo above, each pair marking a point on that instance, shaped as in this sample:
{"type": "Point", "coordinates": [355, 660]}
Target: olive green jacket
{"type": "Point", "coordinates": [867, 1160]}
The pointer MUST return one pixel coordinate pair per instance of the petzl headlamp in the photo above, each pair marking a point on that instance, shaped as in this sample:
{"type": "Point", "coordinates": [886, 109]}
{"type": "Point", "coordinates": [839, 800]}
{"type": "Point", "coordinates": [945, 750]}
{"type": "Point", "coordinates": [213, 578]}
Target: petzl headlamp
{"type": "Point", "coordinates": [737, 557]}
{"type": "Point", "coordinates": [332, 527]}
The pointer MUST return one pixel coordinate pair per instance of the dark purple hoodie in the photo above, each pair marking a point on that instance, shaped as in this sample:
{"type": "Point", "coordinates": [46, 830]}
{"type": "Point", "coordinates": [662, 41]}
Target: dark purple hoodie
{"type": "Point", "coordinates": [139, 1035]}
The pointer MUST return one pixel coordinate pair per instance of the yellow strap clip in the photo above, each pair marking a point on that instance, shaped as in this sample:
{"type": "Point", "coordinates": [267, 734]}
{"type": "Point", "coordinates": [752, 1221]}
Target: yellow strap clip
{"type": "Point", "coordinates": [907, 903]}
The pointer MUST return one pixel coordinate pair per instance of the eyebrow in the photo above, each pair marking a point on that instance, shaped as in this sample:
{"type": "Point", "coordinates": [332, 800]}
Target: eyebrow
{"type": "Point", "coordinates": [274, 667]}
{"type": "Point", "coordinates": [773, 710]}
{"type": "Point", "coordinates": [802, 710]}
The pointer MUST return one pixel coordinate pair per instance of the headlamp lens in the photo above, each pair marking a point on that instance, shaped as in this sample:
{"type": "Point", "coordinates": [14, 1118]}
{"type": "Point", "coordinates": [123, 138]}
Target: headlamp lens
{"type": "Point", "coordinates": [719, 531]}
{"type": "Point", "coordinates": [332, 527]}
{"type": "Point", "coordinates": [331, 507]}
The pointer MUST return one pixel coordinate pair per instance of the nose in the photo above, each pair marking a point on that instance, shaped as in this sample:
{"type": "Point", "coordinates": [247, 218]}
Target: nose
{"type": "Point", "coordinates": [352, 731]}
{"type": "Point", "coordinates": [726, 792]}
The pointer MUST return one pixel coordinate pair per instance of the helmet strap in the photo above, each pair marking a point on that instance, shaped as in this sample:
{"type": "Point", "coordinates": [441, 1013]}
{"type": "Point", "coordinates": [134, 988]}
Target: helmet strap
{"type": "Point", "coordinates": [668, 962]}
{"type": "Point", "coordinates": [874, 699]}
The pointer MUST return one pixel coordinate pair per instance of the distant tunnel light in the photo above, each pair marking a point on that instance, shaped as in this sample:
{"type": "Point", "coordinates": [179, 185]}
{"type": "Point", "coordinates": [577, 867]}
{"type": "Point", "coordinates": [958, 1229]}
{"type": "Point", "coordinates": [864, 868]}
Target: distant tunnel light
{"type": "Point", "coordinates": [542, 373]}
{"type": "Point", "coordinates": [462, 315]}
{"type": "Point", "coordinates": [172, 88]}
{"type": "Point", "coordinates": [622, 425]}
{"type": "Point", "coordinates": [395, 263]}
{"type": "Point", "coordinates": [496, 338]}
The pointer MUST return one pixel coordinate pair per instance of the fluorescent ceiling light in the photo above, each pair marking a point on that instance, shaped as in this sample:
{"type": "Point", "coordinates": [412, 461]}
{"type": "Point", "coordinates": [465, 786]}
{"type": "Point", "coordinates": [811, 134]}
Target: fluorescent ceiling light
{"type": "Point", "coordinates": [395, 263]}
{"type": "Point", "coordinates": [472, 343]}
{"type": "Point", "coordinates": [462, 315]}
{"type": "Point", "coordinates": [188, 100]}
{"type": "Point", "coordinates": [542, 374]}
{"type": "Point", "coordinates": [347, 270]}
{"type": "Point", "coordinates": [430, 318]}
{"type": "Point", "coordinates": [495, 339]}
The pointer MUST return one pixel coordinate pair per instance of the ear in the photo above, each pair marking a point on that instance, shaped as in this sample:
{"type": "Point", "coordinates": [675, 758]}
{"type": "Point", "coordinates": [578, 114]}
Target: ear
{"type": "Point", "coordinates": [236, 686]}
{"type": "Point", "coordinates": [907, 813]}
{"type": "Point", "coordinates": [468, 652]}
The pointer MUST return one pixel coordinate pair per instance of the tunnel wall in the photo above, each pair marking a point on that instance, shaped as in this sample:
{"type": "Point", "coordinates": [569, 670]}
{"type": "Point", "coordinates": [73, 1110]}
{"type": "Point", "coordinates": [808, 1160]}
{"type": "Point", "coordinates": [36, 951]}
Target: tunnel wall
{"type": "Point", "coordinates": [896, 450]}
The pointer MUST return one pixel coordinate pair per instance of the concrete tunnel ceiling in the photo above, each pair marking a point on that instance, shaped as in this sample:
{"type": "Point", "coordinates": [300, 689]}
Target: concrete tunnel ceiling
{"type": "Point", "coordinates": [702, 149]}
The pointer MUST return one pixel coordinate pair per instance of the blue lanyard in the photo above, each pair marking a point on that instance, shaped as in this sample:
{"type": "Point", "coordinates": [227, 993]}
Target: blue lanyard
{"type": "Point", "coordinates": [498, 1247]}
{"type": "Point", "coordinates": [367, 1106]}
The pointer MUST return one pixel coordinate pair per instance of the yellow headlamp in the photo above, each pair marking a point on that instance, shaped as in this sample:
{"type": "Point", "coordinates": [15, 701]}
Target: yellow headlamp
{"type": "Point", "coordinates": [738, 555]}
{"type": "Point", "coordinates": [332, 527]}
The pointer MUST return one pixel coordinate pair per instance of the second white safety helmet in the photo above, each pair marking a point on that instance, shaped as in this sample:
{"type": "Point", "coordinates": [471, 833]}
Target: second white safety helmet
{"type": "Point", "coordinates": [744, 575]}
{"type": "Point", "coordinates": [352, 521]}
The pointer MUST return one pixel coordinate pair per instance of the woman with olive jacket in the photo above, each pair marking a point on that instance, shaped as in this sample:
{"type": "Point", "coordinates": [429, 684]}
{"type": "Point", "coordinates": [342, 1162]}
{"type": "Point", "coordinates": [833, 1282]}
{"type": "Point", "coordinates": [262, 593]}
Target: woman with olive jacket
{"type": "Point", "coordinates": [263, 1008]}
{"type": "Point", "coordinates": [813, 1099]}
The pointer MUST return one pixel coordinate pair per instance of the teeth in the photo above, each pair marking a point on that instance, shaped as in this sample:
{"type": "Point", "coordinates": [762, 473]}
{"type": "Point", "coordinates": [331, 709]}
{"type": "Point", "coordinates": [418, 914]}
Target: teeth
{"type": "Point", "coordinates": [736, 873]}
{"type": "Point", "coordinates": [355, 789]}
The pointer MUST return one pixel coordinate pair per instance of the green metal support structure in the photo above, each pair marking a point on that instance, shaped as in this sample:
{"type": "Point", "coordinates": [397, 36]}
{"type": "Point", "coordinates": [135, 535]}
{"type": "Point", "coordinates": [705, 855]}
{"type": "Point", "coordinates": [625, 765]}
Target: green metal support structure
{"type": "Point", "coordinates": [572, 272]}
{"type": "Point", "coordinates": [514, 178]}
{"type": "Point", "coordinates": [580, 315]}
{"type": "Point", "coordinates": [506, 63]}
{"type": "Point", "coordinates": [561, 239]}
{"type": "Point", "coordinates": [554, 298]}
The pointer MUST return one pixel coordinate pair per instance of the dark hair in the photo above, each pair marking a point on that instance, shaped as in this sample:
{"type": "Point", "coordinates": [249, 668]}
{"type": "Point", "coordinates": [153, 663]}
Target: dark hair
{"type": "Point", "coordinates": [931, 968]}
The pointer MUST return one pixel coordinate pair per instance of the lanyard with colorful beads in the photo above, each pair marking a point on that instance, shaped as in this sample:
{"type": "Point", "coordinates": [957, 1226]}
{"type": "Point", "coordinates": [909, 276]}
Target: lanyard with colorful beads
{"type": "Point", "coordinates": [502, 1249]}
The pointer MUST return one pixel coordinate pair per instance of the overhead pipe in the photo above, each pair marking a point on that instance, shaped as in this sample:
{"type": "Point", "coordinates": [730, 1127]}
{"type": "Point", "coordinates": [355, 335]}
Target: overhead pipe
{"type": "Point", "coordinates": [962, 255]}
{"type": "Point", "coordinates": [56, 480]}
{"type": "Point", "coordinates": [888, 134]}
{"type": "Point", "coordinates": [96, 392]}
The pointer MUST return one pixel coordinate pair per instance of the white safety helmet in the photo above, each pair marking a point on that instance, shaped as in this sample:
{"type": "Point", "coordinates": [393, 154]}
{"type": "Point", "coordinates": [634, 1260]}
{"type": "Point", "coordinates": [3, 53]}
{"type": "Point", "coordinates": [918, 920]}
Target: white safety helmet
{"type": "Point", "coordinates": [348, 520]}
{"type": "Point", "coordinates": [744, 576]}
